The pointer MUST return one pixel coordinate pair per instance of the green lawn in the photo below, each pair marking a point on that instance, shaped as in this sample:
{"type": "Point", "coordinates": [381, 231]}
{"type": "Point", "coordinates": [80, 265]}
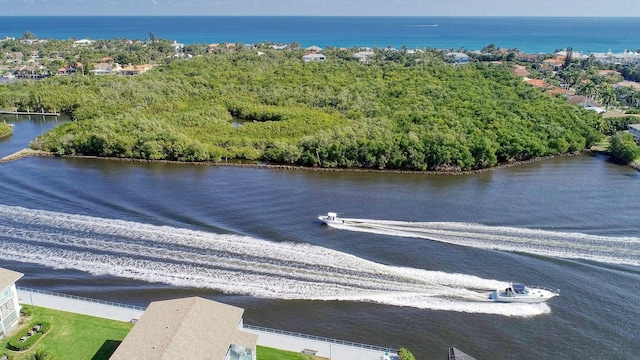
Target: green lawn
{"type": "Point", "coordinates": [74, 336]}
{"type": "Point", "coordinates": [265, 353]}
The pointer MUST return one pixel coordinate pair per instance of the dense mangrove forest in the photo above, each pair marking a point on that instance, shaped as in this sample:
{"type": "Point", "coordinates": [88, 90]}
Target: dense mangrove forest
{"type": "Point", "coordinates": [398, 111]}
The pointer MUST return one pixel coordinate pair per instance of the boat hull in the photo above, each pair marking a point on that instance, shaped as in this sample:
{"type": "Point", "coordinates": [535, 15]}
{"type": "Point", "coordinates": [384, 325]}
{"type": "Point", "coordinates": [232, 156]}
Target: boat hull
{"type": "Point", "coordinates": [331, 219]}
{"type": "Point", "coordinates": [534, 296]}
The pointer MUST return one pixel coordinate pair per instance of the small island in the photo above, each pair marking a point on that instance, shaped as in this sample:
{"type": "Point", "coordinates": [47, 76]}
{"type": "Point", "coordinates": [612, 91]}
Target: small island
{"type": "Point", "coordinates": [5, 130]}
{"type": "Point", "coordinates": [332, 108]}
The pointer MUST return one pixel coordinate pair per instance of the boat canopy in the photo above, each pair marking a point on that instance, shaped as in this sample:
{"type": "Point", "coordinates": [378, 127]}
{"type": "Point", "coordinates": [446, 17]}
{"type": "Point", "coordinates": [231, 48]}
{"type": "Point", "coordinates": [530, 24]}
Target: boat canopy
{"type": "Point", "coordinates": [332, 214]}
{"type": "Point", "coordinates": [517, 288]}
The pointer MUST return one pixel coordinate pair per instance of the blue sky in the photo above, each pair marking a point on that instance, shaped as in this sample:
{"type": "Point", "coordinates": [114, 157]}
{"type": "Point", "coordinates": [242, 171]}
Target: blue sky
{"type": "Point", "coordinates": [324, 7]}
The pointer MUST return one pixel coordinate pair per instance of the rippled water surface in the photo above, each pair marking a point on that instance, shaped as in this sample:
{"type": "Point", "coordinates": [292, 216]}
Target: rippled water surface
{"type": "Point", "coordinates": [411, 266]}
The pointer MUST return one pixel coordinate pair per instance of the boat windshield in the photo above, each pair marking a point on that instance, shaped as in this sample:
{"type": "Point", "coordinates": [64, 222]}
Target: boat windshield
{"type": "Point", "coordinates": [518, 288]}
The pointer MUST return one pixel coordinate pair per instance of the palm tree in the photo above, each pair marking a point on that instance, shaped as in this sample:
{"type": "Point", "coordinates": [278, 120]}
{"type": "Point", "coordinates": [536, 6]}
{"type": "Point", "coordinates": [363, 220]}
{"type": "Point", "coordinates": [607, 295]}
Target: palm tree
{"type": "Point", "coordinates": [590, 91]}
{"type": "Point", "coordinates": [608, 96]}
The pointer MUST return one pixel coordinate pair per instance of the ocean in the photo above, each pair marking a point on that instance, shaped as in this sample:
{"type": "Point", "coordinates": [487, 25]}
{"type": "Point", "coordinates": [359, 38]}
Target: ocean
{"type": "Point", "coordinates": [528, 34]}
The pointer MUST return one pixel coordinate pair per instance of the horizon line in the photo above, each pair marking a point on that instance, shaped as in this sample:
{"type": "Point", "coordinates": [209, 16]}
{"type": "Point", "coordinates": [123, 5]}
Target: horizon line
{"type": "Point", "coordinates": [364, 16]}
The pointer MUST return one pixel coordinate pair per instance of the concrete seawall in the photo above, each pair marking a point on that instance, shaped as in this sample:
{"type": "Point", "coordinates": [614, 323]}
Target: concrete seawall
{"type": "Point", "coordinates": [278, 339]}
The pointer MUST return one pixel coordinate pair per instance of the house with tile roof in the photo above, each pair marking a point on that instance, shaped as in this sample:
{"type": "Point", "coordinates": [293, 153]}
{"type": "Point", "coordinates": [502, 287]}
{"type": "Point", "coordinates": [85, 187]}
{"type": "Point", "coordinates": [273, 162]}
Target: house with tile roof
{"type": "Point", "coordinates": [136, 69]}
{"type": "Point", "coordinates": [554, 63]}
{"type": "Point", "coordinates": [190, 328]}
{"type": "Point", "coordinates": [9, 305]}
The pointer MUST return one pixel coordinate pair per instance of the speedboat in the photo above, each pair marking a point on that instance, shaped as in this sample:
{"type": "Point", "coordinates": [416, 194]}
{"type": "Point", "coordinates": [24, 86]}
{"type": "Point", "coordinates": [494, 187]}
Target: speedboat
{"type": "Point", "coordinates": [523, 294]}
{"type": "Point", "coordinates": [330, 218]}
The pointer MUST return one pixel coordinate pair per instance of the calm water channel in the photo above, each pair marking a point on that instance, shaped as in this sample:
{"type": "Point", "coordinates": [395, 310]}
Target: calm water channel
{"type": "Point", "coordinates": [135, 232]}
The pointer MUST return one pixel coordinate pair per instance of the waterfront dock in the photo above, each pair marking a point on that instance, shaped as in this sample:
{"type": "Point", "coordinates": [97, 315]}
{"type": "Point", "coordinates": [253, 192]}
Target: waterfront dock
{"type": "Point", "coordinates": [27, 113]}
{"type": "Point", "coordinates": [284, 340]}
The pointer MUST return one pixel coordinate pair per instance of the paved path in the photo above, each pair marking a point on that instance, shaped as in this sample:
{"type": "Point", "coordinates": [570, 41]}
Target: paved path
{"type": "Point", "coordinates": [327, 348]}
{"type": "Point", "coordinates": [79, 305]}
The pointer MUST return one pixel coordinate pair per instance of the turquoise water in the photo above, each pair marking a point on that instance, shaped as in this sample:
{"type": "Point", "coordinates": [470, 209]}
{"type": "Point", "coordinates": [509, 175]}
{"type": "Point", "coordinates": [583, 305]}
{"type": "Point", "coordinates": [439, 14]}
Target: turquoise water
{"type": "Point", "coordinates": [529, 34]}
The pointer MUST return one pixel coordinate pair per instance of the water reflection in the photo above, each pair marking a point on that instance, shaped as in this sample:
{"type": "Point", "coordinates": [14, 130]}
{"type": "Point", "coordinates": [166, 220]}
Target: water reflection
{"type": "Point", "coordinates": [26, 128]}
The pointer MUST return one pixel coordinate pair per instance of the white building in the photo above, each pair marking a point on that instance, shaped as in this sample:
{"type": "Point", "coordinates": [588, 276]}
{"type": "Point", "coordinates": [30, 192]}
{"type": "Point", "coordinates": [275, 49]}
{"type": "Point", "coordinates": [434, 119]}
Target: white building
{"type": "Point", "coordinates": [9, 306]}
{"type": "Point", "coordinates": [314, 57]}
{"type": "Point", "coordinates": [458, 57]}
{"type": "Point", "coordinates": [106, 69]}
{"type": "Point", "coordinates": [364, 55]}
{"type": "Point", "coordinates": [634, 129]}
{"type": "Point", "coordinates": [626, 57]}
{"type": "Point", "coordinates": [177, 47]}
{"type": "Point", "coordinates": [82, 42]}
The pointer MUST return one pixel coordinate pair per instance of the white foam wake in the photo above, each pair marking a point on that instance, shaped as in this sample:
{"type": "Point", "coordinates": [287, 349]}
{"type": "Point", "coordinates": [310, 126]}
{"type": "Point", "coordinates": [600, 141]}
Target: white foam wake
{"type": "Point", "coordinates": [236, 264]}
{"type": "Point", "coordinates": [604, 249]}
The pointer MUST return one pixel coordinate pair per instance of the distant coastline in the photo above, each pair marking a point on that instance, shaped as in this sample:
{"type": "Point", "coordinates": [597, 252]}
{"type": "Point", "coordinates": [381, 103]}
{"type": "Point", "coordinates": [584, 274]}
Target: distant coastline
{"type": "Point", "coordinates": [528, 34]}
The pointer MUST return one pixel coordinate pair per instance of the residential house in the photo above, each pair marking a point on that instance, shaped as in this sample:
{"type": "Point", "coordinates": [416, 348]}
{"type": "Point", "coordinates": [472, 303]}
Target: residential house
{"type": "Point", "coordinates": [9, 305]}
{"type": "Point", "coordinates": [458, 57]}
{"type": "Point", "coordinates": [221, 46]}
{"type": "Point", "coordinates": [136, 69]}
{"type": "Point", "coordinates": [554, 63]}
{"type": "Point", "coordinates": [521, 71]}
{"type": "Point", "coordinates": [527, 57]}
{"type": "Point", "coordinates": [364, 55]}
{"type": "Point", "coordinates": [313, 49]}
{"type": "Point", "coordinates": [314, 57]}
{"type": "Point", "coordinates": [82, 42]}
{"type": "Point", "coordinates": [105, 68]}
{"type": "Point", "coordinates": [177, 47]}
{"type": "Point", "coordinates": [537, 83]}
{"type": "Point", "coordinates": [634, 129]}
{"type": "Point", "coordinates": [586, 103]}
{"type": "Point", "coordinates": [15, 56]}
{"type": "Point", "coordinates": [34, 71]}
{"type": "Point", "coordinates": [190, 328]}
{"type": "Point", "coordinates": [575, 55]}
{"type": "Point", "coordinates": [66, 70]}
{"type": "Point", "coordinates": [560, 92]}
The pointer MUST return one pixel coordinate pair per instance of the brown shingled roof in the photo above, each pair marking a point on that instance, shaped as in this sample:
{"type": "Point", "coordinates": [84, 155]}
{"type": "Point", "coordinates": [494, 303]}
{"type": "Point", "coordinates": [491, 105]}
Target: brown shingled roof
{"type": "Point", "coordinates": [191, 328]}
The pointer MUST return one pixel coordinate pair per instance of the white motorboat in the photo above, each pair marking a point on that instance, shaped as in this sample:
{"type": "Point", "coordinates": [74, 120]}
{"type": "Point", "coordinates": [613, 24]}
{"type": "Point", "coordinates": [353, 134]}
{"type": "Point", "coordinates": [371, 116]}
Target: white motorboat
{"type": "Point", "coordinates": [523, 294]}
{"type": "Point", "coordinates": [330, 218]}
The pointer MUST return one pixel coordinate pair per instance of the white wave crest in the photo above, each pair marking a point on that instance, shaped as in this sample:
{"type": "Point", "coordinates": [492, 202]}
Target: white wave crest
{"type": "Point", "coordinates": [603, 249]}
{"type": "Point", "coordinates": [236, 264]}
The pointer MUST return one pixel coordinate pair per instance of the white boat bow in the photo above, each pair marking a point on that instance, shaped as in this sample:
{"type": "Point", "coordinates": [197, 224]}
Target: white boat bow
{"type": "Point", "coordinates": [523, 294]}
{"type": "Point", "coordinates": [330, 219]}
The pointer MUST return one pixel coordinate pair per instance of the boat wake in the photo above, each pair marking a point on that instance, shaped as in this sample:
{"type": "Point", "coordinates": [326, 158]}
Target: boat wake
{"type": "Point", "coordinates": [236, 264]}
{"type": "Point", "coordinates": [603, 249]}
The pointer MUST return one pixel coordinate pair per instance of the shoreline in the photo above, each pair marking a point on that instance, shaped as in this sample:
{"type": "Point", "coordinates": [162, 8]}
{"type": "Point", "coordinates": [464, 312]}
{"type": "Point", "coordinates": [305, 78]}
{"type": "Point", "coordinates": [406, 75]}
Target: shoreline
{"type": "Point", "coordinates": [21, 154]}
{"type": "Point", "coordinates": [24, 153]}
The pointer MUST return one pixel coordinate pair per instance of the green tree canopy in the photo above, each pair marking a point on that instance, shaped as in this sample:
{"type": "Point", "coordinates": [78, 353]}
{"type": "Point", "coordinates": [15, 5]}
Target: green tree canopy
{"type": "Point", "coordinates": [400, 111]}
{"type": "Point", "coordinates": [624, 148]}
